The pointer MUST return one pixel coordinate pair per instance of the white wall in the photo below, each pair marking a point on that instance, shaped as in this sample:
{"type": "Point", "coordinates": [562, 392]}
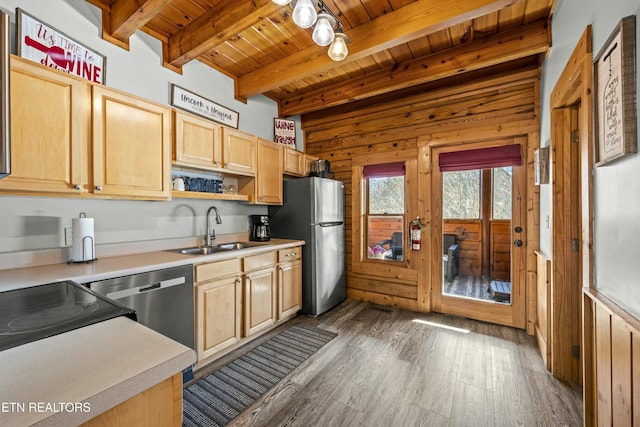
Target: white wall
{"type": "Point", "coordinates": [616, 187]}
{"type": "Point", "coordinates": [37, 223]}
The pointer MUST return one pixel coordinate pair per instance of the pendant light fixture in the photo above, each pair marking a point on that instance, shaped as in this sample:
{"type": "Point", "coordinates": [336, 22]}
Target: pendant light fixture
{"type": "Point", "coordinates": [323, 31]}
{"type": "Point", "coordinates": [338, 49]}
{"type": "Point", "coordinates": [304, 15]}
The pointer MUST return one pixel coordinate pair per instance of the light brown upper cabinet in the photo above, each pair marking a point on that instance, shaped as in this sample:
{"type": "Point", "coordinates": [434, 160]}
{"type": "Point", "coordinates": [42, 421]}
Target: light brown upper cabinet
{"type": "Point", "coordinates": [50, 131]}
{"type": "Point", "coordinates": [269, 176]}
{"type": "Point", "coordinates": [131, 146]}
{"type": "Point", "coordinates": [294, 162]}
{"type": "Point", "coordinates": [198, 142]}
{"type": "Point", "coordinates": [238, 151]}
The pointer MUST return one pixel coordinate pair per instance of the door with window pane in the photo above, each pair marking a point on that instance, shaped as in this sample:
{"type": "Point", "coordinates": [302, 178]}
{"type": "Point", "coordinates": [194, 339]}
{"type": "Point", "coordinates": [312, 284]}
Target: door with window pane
{"type": "Point", "coordinates": [482, 270]}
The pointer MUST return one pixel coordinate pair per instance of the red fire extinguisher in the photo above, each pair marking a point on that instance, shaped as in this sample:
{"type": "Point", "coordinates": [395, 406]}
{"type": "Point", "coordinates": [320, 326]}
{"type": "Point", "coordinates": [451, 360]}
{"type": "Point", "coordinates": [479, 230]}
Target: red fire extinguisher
{"type": "Point", "coordinates": [416, 234]}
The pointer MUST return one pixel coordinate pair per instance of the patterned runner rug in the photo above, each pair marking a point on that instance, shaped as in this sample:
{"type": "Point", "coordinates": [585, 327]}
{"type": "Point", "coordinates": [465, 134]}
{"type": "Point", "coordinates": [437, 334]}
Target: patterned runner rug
{"type": "Point", "coordinates": [221, 396]}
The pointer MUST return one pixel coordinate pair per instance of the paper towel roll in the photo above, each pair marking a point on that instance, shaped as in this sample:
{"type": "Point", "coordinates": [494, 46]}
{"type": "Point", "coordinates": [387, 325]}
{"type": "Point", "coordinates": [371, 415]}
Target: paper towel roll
{"type": "Point", "coordinates": [83, 245]}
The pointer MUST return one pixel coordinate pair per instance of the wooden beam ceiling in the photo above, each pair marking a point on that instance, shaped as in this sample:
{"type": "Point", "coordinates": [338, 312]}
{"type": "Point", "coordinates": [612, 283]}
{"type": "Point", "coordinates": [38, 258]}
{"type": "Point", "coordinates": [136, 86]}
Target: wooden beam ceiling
{"type": "Point", "coordinates": [500, 48]}
{"type": "Point", "coordinates": [418, 19]}
{"type": "Point", "coordinates": [215, 26]}
{"type": "Point", "coordinates": [127, 16]}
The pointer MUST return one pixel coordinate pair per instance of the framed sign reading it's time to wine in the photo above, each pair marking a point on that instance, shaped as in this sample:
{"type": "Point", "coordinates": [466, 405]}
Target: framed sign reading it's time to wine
{"type": "Point", "coordinates": [615, 101]}
{"type": "Point", "coordinates": [44, 44]}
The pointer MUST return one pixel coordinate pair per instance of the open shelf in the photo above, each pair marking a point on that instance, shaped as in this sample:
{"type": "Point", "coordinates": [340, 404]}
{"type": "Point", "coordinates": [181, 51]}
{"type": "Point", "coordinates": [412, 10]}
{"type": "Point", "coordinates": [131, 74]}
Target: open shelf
{"type": "Point", "coordinates": [208, 196]}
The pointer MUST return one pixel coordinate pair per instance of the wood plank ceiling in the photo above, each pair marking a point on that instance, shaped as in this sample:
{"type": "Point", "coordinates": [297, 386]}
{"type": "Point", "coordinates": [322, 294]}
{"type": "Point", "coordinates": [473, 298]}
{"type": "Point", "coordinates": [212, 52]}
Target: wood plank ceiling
{"type": "Point", "coordinates": [395, 44]}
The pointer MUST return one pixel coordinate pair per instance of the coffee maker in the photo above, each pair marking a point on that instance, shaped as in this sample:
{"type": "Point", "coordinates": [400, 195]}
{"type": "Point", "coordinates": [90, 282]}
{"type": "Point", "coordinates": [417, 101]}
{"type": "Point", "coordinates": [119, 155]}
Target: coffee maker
{"type": "Point", "coordinates": [260, 228]}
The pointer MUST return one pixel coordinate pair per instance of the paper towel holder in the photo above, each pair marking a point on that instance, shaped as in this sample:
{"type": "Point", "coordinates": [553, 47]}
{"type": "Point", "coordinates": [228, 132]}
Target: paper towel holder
{"type": "Point", "coordinates": [84, 247]}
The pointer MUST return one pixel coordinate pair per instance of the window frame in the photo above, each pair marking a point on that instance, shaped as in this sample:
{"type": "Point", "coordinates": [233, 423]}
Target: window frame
{"type": "Point", "coordinates": [368, 215]}
{"type": "Point", "coordinates": [360, 263]}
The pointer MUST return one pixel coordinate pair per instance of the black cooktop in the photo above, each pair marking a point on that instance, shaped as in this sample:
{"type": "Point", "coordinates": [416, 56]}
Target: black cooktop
{"type": "Point", "coordinates": [37, 312]}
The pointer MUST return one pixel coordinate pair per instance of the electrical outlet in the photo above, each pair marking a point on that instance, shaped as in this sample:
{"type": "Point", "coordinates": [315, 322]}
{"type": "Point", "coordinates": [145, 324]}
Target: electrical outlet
{"type": "Point", "coordinates": [68, 236]}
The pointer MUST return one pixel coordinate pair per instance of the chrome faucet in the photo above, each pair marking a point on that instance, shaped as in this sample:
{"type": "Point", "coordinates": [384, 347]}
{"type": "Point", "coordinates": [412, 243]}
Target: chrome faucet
{"type": "Point", "coordinates": [211, 233]}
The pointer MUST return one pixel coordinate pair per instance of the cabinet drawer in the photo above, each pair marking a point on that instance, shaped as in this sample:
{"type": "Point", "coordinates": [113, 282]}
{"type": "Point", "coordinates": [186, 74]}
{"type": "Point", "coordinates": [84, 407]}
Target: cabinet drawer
{"type": "Point", "coordinates": [217, 269]}
{"type": "Point", "coordinates": [289, 254]}
{"type": "Point", "coordinates": [255, 262]}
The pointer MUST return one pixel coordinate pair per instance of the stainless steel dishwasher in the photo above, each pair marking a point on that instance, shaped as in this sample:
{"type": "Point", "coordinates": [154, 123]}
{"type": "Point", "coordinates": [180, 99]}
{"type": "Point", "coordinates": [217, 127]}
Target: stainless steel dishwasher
{"type": "Point", "coordinates": [162, 299]}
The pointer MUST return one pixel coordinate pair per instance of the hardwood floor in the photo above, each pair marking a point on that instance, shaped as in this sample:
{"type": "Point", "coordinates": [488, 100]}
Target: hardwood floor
{"type": "Point", "coordinates": [391, 367]}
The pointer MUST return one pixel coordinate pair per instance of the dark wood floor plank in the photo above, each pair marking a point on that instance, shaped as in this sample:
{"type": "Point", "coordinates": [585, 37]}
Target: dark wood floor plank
{"type": "Point", "coordinates": [399, 368]}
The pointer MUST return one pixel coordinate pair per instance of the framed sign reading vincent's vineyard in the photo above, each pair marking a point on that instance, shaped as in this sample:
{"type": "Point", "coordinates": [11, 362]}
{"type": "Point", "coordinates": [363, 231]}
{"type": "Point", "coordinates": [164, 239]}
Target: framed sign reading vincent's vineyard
{"type": "Point", "coordinates": [42, 43]}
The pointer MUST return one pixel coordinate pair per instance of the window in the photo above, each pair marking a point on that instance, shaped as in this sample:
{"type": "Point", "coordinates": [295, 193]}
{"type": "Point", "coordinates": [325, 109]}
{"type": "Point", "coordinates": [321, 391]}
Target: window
{"type": "Point", "coordinates": [384, 210]}
{"type": "Point", "coordinates": [461, 194]}
{"type": "Point", "coordinates": [501, 200]}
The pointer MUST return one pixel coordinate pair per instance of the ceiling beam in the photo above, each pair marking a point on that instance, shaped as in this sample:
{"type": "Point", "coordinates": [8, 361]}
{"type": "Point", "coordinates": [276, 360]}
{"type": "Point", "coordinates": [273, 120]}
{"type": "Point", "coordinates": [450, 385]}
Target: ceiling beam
{"type": "Point", "coordinates": [215, 26]}
{"type": "Point", "coordinates": [517, 43]}
{"type": "Point", "coordinates": [417, 19]}
{"type": "Point", "coordinates": [126, 16]}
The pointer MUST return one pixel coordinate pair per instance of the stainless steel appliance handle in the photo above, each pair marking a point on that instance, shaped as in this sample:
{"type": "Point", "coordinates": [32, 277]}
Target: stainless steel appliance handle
{"type": "Point", "coordinates": [5, 122]}
{"type": "Point", "coordinates": [124, 293]}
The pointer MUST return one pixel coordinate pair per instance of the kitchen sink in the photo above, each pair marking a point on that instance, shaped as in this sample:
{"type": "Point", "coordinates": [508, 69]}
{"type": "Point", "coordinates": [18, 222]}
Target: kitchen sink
{"type": "Point", "coordinates": [238, 245]}
{"type": "Point", "coordinates": [200, 250]}
{"type": "Point", "coordinates": [222, 247]}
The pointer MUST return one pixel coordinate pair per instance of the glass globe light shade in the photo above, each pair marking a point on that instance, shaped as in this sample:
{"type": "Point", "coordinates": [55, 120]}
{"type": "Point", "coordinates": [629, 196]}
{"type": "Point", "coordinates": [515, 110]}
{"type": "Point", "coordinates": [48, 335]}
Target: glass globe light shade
{"type": "Point", "coordinates": [281, 2]}
{"type": "Point", "coordinates": [304, 14]}
{"type": "Point", "coordinates": [338, 49]}
{"type": "Point", "coordinates": [323, 33]}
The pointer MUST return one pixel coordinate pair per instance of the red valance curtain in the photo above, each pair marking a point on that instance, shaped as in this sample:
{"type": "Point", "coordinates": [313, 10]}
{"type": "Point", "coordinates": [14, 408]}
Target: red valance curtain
{"type": "Point", "coordinates": [383, 170]}
{"type": "Point", "coordinates": [481, 158]}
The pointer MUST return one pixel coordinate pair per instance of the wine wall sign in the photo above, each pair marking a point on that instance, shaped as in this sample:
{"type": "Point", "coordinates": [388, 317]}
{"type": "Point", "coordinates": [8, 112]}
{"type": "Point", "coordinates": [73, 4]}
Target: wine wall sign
{"type": "Point", "coordinates": [42, 43]}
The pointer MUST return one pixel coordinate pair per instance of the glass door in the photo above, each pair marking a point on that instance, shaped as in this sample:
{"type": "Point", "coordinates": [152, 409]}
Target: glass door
{"type": "Point", "coordinates": [481, 238]}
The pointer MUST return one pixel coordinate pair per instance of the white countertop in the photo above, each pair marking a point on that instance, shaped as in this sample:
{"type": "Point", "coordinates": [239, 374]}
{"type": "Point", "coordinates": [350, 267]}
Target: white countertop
{"type": "Point", "coordinates": [95, 368]}
{"type": "Point", "coordinates": [106, 268]}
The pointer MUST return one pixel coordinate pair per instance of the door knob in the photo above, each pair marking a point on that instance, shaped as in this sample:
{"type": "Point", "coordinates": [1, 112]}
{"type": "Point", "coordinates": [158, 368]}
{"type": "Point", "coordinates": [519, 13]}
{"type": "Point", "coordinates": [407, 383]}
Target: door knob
{"type": "Point", "coordinates": [518, 243]}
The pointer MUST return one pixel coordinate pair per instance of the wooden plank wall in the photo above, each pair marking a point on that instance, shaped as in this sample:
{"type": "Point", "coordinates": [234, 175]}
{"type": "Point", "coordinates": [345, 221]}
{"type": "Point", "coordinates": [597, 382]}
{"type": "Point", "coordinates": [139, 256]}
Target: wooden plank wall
{"type": "Point", "coordinates": [500, 251]}
{"type": "Point", "coordinates": [469, 237]}
{"type": "Point", "coordinates": [502, 102]}
{"type": "Point", "coordinates": [612, 357]}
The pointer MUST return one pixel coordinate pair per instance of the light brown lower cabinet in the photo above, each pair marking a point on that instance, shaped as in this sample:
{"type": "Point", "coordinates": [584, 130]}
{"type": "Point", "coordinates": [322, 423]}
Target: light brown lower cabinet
{"type": "Point", "coordinates": [289, 282]}
{"type": "Point", "coordinates": [259, 293]}
{"type": "Point", "coordinates": [158, 406]}
{"type": "Point", "coordinates": [218, 306]}
{"type": "Point", "coordinates": [238, 299]}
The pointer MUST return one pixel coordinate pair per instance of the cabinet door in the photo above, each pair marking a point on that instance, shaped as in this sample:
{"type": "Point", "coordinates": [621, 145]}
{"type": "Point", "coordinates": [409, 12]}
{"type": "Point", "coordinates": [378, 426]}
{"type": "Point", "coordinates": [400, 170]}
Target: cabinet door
{"type": "Point", "coordinates": [131, 146]}
{"type": "Point", "coordinates": [49, 131]}
{"type": "Point", "coordinates": [260, 301]}
{"type": "Point", "coordinates": [238, 151]}
{"type": "Point", "coordinates": [198, 142]}
{"type": "Point", "coordinates": [289, 289]}
{"type": "Point", "coordinates": [269, 176]}
{"type": "Point", "coordinates": [218, 314]}
{"type": "Point", "coordinates": [293, 162]}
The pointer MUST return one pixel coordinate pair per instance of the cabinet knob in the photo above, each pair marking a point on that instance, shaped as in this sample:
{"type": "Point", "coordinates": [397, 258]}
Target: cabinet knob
{"type": "Point", "coordinates": [98, 187]}
{"type": "Point", "coordinates": [216, 164]}
{"type": "Point", "coordinates": [76, 187]}
{"type": "Point", "coordinates": [260, 198]}
{"type": "Point", "coordinates": [226, 165]}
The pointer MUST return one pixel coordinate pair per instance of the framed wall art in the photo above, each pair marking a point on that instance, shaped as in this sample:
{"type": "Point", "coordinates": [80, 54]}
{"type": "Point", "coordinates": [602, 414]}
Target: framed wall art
{"type": "Point", "coordinates": [284, 132]}
{"type": "Point", "coordinates": [44, 44]}
{"type": "Point", "coordinates": [615, 103]}
{"type": "Point", "coordinates": [541, 165]}
{"type": "Point", "coordinates": [204, 107]}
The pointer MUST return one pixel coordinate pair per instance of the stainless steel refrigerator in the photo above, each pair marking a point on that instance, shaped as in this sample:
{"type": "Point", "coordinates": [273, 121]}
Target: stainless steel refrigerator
{"type": "Point", "coordinates": [313, 211]}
